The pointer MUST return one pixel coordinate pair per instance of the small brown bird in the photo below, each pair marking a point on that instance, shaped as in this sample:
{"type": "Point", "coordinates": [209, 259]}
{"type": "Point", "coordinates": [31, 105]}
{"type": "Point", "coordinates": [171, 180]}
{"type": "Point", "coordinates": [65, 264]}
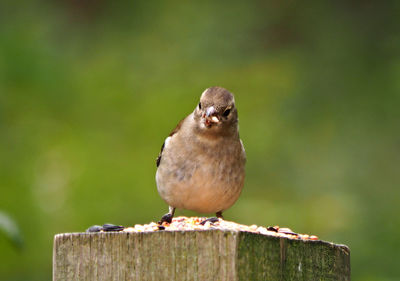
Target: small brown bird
{"type": "Point", "coordinates": [201, 166]}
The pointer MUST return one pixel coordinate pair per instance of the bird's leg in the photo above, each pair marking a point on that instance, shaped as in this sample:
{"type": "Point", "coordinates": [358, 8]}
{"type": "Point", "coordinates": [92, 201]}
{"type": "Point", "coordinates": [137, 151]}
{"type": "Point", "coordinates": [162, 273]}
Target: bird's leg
{"type": "Point", "coordinates": [219, 215]}
{"type": "Point", "coordinates": [168, 216]}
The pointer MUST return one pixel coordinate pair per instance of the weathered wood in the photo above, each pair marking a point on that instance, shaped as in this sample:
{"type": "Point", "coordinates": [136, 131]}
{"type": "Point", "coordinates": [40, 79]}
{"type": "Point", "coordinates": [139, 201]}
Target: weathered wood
{"type": "Point", "coordinates": [195, 255]}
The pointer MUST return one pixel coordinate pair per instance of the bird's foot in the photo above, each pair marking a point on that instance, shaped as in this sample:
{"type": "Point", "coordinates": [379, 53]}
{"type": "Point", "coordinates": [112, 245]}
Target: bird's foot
{"type": "Point", "coordinates": [106, 227]}
{"type": "Point", "coordinates": [166, 218]}
{"type": "Point", "coordinates": [211, 220]}
{"type": "Point", "coordinates": [219, 215]}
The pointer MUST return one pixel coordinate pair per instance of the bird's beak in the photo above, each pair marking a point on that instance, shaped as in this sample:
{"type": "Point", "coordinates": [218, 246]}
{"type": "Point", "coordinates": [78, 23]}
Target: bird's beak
{"type": "Point", "coordinates": [210, 116]}
{"type": "Point", "coordinates": [210, 111]}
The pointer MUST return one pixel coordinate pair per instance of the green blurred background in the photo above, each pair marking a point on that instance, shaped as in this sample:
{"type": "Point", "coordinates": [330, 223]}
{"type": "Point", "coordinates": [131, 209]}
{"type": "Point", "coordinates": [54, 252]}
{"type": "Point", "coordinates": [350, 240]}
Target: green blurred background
{"type": "Point", "coordinates": [90, 89]}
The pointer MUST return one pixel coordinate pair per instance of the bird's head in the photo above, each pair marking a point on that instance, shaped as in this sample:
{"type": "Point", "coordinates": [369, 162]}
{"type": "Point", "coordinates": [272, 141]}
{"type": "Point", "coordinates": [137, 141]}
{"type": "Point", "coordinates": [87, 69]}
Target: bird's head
{"type": "Point", "coordinates": [216, 112]}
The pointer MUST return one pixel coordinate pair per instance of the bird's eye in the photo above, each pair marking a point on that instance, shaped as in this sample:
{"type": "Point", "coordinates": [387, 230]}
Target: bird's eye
{"type": "Point", "coordinates": [199, 105]}
{"type": "Point", "coordinates": [226, 112]}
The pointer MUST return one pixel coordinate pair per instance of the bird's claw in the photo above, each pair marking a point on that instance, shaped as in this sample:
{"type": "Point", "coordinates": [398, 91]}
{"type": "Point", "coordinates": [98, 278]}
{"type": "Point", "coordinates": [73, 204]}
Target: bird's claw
{"type": "Point", "coordinates": [219, 215]}
{"type": "Point", "coordinates": [166, 218]}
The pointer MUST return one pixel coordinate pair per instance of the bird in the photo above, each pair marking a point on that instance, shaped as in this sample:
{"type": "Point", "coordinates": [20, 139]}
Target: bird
{"type": "Point", "coordinates": [201, 166]}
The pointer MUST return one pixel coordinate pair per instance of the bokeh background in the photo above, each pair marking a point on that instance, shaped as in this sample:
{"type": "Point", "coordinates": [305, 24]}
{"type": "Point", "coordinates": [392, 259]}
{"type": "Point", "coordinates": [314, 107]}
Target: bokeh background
{"type": "Point", "coordinates": [90, 89]}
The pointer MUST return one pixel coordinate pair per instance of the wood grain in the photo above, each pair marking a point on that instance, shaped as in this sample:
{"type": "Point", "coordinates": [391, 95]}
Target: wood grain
{"type": "Point", "coordinates": [195, 255]}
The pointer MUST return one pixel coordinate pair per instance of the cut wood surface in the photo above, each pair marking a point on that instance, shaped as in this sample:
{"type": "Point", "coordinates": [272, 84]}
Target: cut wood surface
{"type": "Point", "coordinates": [196, 255]}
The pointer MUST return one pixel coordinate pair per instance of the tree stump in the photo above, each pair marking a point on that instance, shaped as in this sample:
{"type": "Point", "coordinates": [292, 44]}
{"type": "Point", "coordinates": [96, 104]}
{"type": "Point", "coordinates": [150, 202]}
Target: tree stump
{"type": "Point", "coordinates": [196, 255]}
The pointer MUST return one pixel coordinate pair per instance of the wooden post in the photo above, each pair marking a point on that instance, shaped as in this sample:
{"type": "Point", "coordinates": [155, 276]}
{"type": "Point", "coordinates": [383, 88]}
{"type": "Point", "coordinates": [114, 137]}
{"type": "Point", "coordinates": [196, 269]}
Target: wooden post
{"type": "Point", "coordinates": [195, 255]}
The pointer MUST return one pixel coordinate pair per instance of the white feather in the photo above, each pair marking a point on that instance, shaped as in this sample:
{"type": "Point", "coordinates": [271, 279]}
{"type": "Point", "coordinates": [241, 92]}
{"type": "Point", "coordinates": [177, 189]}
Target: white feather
{"type": "Point", "coordinates": [166, 142]}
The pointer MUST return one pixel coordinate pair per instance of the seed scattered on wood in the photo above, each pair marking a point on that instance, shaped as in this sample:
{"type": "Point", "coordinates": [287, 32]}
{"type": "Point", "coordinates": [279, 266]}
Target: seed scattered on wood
{"type": "Point", "coordinates": [202, 223]}
{"type": "Point", "coordinates": [112, 227]}
{"type": "Point", "coordinates": [286, 231]}
{"type": "Point", "coordinates": [211, 220]}
{"type": "Point", "coordinates": [253, 227]}
{"type": "Point", "coordinates": [94, 228]}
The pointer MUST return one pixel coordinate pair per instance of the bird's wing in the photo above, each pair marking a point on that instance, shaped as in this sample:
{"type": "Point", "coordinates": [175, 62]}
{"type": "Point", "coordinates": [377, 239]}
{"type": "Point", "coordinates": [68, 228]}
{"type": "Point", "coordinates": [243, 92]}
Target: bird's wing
{"type": "Point", "coordinates": [174, 131]}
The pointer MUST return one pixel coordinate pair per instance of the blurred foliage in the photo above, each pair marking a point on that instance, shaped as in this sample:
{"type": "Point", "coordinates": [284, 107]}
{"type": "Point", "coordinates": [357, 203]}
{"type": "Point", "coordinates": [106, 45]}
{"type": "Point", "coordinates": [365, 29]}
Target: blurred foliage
{"type": "Point", "coordinates": [10, 230]}
{"type": "Point", "coordinates": [90, 89]}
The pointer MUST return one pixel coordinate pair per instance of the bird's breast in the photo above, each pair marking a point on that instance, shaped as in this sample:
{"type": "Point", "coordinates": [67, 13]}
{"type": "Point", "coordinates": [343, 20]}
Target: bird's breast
{"type": "Point", "coordinates": [204, 178]}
